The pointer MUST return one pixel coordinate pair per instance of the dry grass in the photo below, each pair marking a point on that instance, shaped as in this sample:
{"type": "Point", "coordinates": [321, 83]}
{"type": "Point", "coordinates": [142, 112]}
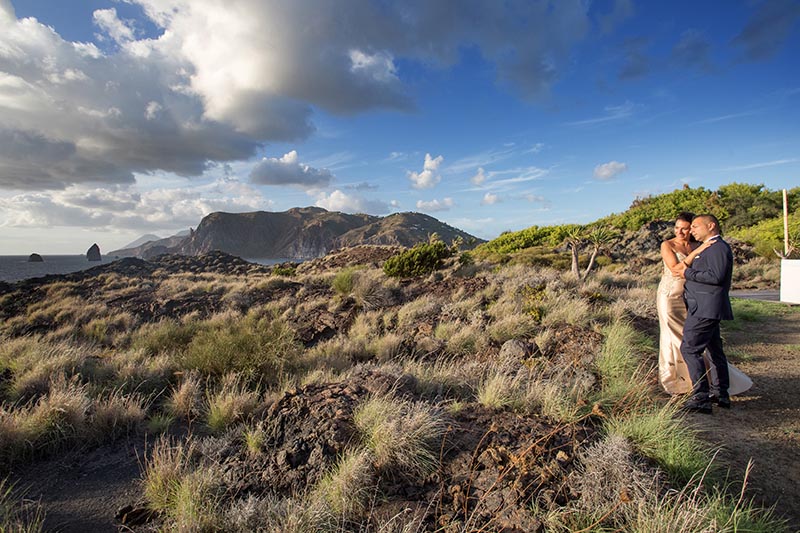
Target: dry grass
{"type": "Point", "coordinates": [184, 400]}
{"type": "Point", "coordinates": [403, 436]}
{"type": "Point", "coordinates": [232, 402]}
{"type": "Point", "coordinates": [345, 491]}
{"type": "Point", "coordinates": [116, 414]}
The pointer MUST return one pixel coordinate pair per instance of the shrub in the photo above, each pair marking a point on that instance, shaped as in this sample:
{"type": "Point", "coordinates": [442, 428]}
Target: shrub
{"type": "Point", "coordinates": [287, 271]}
{"type": "Point", "coordinates": [344, 281]}
{"type": "Point", "coordinates": [422, 259]}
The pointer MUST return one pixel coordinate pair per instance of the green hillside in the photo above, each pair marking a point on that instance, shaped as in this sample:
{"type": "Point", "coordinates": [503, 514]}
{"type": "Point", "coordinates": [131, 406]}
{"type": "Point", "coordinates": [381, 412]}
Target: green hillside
{"type": "Point", "coordinates": [751, 213]}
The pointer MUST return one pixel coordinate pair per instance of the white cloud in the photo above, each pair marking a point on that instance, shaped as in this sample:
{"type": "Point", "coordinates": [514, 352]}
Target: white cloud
{"type": "Point", "coordinates": [288, 170]}
{"type": "Point", "coordinates": [490, 199]}
{"type": "Point", "coordinates": [118, 30]}
{"type": "Point", "coordinates": [429, 176]}
{"type": "Point", "coordinates": [220, 79]}
{"type": "Point", "coordinates": [351, 203]}
{"type": "Point", "coordinates": [127, 208]}
{"type": "Point", "coordinates": [606, 171]}
{"type": "Point", "coordinates": [435, 205]}
{"type": "Point", "coordinates": [479, 177]}
{"type": "Point", "coordinates": [612, 113]}
{"type": "Point", "coordinates": [378, 66]}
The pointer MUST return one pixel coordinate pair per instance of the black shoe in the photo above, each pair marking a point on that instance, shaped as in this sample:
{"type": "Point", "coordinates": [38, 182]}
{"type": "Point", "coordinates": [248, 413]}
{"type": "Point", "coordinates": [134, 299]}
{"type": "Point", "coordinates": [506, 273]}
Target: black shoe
{"type": "Point", "coordinates": [724, 402]}
{"type": "Point", "coordinates": [697, 407]}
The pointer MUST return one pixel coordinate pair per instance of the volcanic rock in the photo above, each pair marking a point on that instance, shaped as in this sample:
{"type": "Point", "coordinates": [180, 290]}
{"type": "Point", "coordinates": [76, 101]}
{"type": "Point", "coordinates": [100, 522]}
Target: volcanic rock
{"type": "Point", "coordinates": [93, 253]}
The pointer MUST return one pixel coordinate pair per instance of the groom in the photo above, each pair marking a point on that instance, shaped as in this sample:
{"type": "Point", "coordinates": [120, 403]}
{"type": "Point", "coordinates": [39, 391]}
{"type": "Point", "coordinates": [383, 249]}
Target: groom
{"type": "Point", "coordinates": [708, 281]}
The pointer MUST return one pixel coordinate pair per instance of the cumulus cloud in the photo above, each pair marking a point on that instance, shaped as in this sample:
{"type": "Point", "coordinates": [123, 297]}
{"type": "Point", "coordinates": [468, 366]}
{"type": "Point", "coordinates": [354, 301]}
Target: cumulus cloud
{"type": "Point", "coordinates": [435, 205]}
{"type": "Point", "coordinates": [429, 176]}
{"type": "Point", "coordinates": [351, 203]}
{"type": "Point", "coordinates": [220, 79]}
{"type": "Point", "coordinates": [127, 208]}
{"type": "Point", "coordinates": [288, 170]}
{"type": "Point", "coordinates": [606, 171]}
{"type": "Point", "coordinates": [479, 177]}
{"type": "Point", "coordinates": [490, 199]}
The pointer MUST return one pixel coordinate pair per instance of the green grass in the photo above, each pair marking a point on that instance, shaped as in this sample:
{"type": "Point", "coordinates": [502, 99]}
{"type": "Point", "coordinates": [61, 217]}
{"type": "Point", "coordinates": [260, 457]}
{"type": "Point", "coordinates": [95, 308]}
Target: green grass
{"type": "Point", "coordinates": [16, 514]}
{"type": "Point", "coordinates": [660, 434]}
{"type": "Point", "coordinates": [746, 311]}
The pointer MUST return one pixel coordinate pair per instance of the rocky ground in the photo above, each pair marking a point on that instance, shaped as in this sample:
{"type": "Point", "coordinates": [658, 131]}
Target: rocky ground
{"type": "Point", "coordinates": [492, 463]}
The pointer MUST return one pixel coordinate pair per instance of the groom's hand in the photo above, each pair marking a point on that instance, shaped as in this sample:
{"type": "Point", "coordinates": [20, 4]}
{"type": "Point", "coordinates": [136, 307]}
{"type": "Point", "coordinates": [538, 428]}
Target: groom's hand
{"type": "Point", "coordinates": [678, 270]}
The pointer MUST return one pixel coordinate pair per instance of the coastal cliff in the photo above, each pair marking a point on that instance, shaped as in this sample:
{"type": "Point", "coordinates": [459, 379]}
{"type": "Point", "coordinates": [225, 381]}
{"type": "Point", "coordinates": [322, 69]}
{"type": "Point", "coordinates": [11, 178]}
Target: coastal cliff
{"type": "Point", "coordinates": [299, 233]}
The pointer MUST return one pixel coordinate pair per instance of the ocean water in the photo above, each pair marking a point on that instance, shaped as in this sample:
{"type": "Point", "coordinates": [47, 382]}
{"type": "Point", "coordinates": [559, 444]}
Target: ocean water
{"type": "Point", "coordinates": [16, 267]}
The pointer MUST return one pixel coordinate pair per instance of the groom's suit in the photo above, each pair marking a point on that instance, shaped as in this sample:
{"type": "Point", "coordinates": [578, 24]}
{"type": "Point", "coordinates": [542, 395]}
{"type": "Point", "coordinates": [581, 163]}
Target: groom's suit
{"type": "Point", "coordinates": [708, 281]}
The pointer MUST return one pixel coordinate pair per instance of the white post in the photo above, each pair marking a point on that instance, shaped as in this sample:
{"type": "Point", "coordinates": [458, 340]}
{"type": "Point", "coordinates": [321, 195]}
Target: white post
{"type": "Point", "coordinates": [785, 224]}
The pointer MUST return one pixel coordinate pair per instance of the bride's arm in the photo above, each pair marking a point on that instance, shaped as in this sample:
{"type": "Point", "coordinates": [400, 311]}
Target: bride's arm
{"type": "Point", "coordinates": [689, 258]}
{"type": "Point", "coordinates": [668, 255]}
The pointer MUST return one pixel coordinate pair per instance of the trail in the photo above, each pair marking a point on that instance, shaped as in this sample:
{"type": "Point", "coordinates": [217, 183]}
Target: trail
{"type": "Point", "coordinates": [763, 423]}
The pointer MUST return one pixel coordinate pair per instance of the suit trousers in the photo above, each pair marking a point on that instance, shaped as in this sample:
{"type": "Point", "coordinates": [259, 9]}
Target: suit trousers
{"type": "Point", "coordinates": [700, 334]}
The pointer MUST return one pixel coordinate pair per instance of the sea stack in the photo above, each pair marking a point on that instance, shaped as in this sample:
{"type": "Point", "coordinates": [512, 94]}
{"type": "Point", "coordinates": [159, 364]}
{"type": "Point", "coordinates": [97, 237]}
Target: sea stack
{"type": "Point", "coordinates": [93, 253]}
{"type": "Point", "coordinates": [35, 258]}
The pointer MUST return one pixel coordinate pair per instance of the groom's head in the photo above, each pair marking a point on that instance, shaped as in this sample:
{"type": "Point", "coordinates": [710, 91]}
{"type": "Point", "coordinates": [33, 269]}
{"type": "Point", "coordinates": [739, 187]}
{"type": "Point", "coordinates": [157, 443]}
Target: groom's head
{"type": "Point", "coordinates": [705, 226]}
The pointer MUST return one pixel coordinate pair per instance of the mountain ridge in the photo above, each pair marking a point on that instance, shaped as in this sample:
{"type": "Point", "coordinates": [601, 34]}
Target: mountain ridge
{"type": "Point", "coordinates": [299, 233]}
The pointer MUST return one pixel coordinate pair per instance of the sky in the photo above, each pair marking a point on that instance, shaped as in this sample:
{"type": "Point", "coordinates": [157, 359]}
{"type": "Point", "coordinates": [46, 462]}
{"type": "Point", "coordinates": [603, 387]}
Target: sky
{"type": "Point", "coordinates": [120, 118]}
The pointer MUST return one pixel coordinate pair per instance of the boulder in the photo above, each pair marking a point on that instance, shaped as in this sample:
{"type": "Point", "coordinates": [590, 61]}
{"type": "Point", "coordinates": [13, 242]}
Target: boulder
{"type": "Point", "coordinates": [93, 253]}
{"type": "Point", "coordinates": [35, 258]}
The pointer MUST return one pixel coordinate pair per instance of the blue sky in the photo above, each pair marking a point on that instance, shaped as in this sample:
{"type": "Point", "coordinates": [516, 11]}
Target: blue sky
{"type": "Point", "coordinates": [119, 118]}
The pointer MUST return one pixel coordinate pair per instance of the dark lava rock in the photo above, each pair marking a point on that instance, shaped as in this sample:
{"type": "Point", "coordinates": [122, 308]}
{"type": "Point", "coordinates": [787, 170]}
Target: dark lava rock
{"type": "Point", "coordinates": [93, 253]}
{"type": "Point", "coordinates": [35, 258]}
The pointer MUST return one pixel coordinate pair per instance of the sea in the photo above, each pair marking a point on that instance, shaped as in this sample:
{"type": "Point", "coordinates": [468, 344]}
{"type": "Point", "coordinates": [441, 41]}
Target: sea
{"type": "Point", "coordinates": [16, 267]}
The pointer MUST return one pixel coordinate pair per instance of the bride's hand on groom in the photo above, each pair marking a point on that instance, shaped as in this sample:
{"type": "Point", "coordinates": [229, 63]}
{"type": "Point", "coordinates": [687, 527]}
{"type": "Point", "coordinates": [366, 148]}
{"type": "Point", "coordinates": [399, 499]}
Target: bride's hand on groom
{"type": "Point", "coordinates": [705, 245]}
{"type": "Point", "coordinates": [678, 269]}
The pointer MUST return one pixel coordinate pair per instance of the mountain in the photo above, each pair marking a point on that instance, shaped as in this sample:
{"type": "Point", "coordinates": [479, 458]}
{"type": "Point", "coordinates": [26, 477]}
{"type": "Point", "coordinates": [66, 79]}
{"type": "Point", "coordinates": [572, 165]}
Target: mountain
{"type": "Point", "coordinates": [299, 233]}
{"type": "Point", "coordinates": [150, 245]}
{"type": "Point", "coordinates": [141, 240]}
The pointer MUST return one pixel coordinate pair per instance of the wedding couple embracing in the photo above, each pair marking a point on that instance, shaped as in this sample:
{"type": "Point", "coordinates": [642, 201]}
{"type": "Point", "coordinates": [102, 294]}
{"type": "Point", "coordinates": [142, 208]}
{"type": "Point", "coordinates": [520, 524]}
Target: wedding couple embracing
{"type": "Point", "coordinates": [692, 300]}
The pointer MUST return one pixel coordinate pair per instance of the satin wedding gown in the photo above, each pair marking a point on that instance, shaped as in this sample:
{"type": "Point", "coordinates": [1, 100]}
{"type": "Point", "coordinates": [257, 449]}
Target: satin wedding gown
{"type": "Point", "coordinates": [672, 371]}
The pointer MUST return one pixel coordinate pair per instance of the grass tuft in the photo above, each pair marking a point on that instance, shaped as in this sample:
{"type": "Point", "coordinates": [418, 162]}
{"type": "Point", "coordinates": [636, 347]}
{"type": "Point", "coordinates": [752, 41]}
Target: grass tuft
{"type": "Point", "coordinates": [404, 436]}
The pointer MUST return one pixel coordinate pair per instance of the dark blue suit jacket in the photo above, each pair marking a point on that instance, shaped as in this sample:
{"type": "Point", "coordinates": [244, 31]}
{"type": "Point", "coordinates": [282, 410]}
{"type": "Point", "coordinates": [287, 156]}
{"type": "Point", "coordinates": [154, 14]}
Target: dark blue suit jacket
{"type": "Point", "coordinates": [708, 281]}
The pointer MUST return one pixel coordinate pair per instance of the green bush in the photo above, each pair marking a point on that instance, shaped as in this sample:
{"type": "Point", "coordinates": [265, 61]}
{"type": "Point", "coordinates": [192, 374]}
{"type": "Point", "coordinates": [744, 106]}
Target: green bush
{"type": "Point", "coordinates": [261, 348]}
{"type": "Point", "coordinates": [344, 281]}
{"type": "Point", "coordinates": [767, 235]}
{"type": "Point", "coordinates": [422, 259]}
{"type": "Point", "coordinates": [287, 271]}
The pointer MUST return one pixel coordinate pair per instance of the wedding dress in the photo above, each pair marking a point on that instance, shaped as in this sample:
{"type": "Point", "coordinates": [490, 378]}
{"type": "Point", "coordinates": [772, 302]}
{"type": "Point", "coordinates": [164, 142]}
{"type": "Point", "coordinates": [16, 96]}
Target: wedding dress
{"type": "Point", "coordinates": [672, 371]}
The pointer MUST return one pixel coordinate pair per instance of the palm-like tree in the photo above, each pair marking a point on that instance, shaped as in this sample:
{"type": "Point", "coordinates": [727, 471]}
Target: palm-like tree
{"type": "Point", "coordinates": [599, 239]}
{"type": "Point", "coordinates": [574, 239]}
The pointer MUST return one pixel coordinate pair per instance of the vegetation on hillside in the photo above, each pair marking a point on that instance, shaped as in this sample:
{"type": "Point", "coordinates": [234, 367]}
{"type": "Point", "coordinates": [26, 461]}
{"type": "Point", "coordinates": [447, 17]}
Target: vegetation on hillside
{"type": "Point", "coordinates": [751, 213]}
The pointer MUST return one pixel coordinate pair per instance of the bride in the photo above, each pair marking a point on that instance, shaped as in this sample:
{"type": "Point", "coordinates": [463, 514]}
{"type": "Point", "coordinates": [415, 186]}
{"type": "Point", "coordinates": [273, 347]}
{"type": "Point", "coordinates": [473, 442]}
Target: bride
{"type": "Point", "coordinates": [672, 371]}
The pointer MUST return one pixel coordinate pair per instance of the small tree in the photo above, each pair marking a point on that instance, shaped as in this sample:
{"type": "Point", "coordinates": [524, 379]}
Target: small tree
{"type": "Point", "coordinates": [599, 239]}
{"type": "Point", "coordinates": [574, 239]}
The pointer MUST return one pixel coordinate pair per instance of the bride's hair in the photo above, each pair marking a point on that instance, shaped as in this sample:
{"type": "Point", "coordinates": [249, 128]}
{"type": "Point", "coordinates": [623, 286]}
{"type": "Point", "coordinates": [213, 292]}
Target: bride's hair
{"type": "Point", "coordinates": [686, 216]}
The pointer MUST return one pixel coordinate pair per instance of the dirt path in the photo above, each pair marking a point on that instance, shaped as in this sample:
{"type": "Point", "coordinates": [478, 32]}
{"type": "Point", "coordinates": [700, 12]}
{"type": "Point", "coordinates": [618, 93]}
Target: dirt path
{"type": "Point", "coordinates": [764, 422]}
